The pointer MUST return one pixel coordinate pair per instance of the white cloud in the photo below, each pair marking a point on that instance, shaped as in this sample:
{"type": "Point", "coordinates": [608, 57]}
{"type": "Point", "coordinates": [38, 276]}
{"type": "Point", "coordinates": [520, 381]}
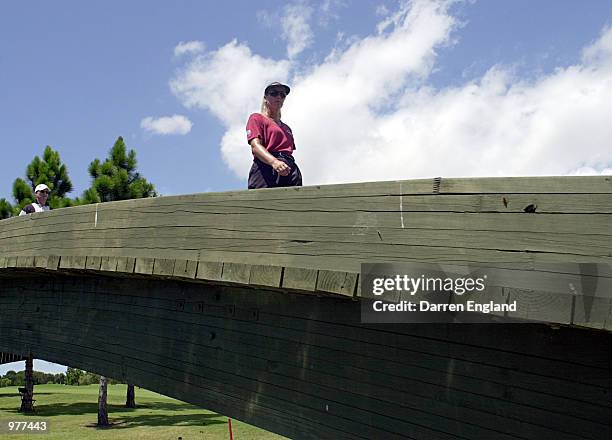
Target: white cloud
{"type": "Point", "coordinates": [329, 11]}
{"type": "Point", "coordinates": [176, 124]}
{"type": "Point", "coordinates": [188, 47]}
{"type": "Point", "coordinates": [296, 29]}
{"type": "Point", "coordinates": [590, 171]}
{"type": "Point", "coordinates": [367, 111]}
{"type": "Point", "coordinates": [229, 83]}
{"type": "Point", "coordinates": [294, 20]}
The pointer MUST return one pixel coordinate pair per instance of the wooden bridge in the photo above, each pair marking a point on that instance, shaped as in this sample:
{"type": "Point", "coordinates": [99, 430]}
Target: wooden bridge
{"type": "Point", "coordinates": [248, 303]}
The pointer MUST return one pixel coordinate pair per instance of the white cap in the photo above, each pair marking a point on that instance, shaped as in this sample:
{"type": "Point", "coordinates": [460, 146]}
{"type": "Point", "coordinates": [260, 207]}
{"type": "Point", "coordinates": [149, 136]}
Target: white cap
{"type": "Point", "coordinates": [41, 187]}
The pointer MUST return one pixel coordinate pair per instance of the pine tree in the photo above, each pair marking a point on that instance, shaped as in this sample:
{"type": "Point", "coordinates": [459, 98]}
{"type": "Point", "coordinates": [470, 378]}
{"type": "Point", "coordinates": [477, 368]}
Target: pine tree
{"type": "Point", "coordinates": [6, 209]}
{"type": "Point", "coordinates": [50, 171]}
{"type": "Point", "coordinates": [116, 178]}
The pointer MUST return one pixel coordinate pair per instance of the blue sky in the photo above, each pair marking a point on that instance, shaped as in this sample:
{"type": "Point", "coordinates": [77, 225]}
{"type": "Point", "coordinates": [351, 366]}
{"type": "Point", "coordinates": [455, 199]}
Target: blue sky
{"type": "Point", "coordinates": [386, 89]}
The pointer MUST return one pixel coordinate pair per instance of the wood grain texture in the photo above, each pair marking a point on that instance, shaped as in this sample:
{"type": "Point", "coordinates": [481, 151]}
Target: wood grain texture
{"type": "Point", "coordinates": [93, 263]}
{"type": "Point", "coordinates": [126, 264]}
{"type": "Point", "coordinates": [303, 366]}
{"type": "Point", "coordinates": [144, 266]}
{"type": "Point", "coordinates": [264, 327]}
{"type": "Point", "coordinates": [209, 270]}
{"type": "Point", "coordinates": [332, 230]}
{"type": "Point", "coordinates": [343, 283]}
{"type": "Point", "coordinates": [109, 264]}
{"type": "Point", "coordinates": [163, 266]}
{"type": "Point", "coordinates": [300, 279]}
{"type": "Point", "coordinates": [263, 275]}
{"type": "Point", "coordinates": [185, 268]}
{"type": "Point", "coordinates": [236, 273]}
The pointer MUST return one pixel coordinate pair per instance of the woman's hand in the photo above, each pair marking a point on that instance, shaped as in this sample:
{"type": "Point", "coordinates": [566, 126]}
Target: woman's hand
{"type": "Point", "coordinates": [262, 154]}
{"type": "Point", "coordinates": [281, 167]}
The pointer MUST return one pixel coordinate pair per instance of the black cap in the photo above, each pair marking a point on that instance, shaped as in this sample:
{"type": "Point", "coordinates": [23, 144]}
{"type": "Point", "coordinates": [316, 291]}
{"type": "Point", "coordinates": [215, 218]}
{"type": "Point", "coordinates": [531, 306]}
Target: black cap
{"type": "Point", "coordinates": [277, 84]}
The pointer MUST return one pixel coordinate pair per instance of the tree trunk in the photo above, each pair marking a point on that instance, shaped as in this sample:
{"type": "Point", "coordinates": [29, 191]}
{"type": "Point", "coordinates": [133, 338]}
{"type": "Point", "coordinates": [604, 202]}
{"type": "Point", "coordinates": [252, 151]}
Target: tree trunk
{"type": "Point", "coordinates": [27, 402]}
{"type": "Point", "coordinates": [102, 409]}
{"type": "Point", "coordinates": [130, 399]}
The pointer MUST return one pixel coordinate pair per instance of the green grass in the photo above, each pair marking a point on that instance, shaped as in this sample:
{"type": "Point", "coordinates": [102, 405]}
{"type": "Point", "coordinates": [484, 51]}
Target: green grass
{"type": "Point", "coordinates": [72, 414]}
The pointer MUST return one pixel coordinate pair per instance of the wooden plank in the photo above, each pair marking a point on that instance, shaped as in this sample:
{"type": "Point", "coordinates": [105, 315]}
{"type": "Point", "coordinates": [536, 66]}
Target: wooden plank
{"type": "Point", "coordinates": [109, 264]}
{"type": "Point", "coordinates": [53, 262]}
{"type": "Point", "coordinates": [11, 262]}
{"type": "Point", "coordinates": [235, 389]}
{"type": "Point", "coordinates": [236, 273]}
{"type": "Point", "coordinates": [478, 203]}
{"type": "Point", "coordinates": [144, 265]}
{"type": "Point", "coordinates": [65, 262]}
{"type": "Point", "coordinates": [78, 262]}
{"type": "Point", "coordinates": [420, 248]}
{"type": "Point", "coordinates": [208, 270]}
{"type": "Point", "coordinates": [197, 391]}
{"type": "Point", "coordinates": [305, 238]}
{"type": "Point", "coordinates": [512, 206]}
{"type": "Point", "coordinates": [41, 261]}
{"type": "Point", "coordinates": [538, 305]}
{"type": "Point", "coordinates": [126, 264]}
{"type": "Point", "coordinates": [72, 262]}
{"type": "Point", "coordinates": [547, 184]}
{"type": "Point", "coordinates": [461, 236]}
{"type": "Point", "coordinates": [3, 262]}
{"type": "Point", "coordinates": [342, 283]}
{"type": "Point", "coordinates": [263, 275]}
{"type": "Point", "coordinates": [513, 231]}
{"type": "Point", "coordinates": [504, 221]}
{"type": "Point", "coordinates": [435, 349]}
{"type": "Point", "coordinates": [300, 279]}
{"type": "Point", "coordinates": [592, 312]}
{"type": "Point", "coordinates": [185, 268]}
{"type": "Point", "coordinates": [144, 218]}
{"type": "Point", "coordinates": [25, 262]}
{"type": "Point", "coordinates": [162, 266]}
{"type": "Point", "coordinates": [93, 262]}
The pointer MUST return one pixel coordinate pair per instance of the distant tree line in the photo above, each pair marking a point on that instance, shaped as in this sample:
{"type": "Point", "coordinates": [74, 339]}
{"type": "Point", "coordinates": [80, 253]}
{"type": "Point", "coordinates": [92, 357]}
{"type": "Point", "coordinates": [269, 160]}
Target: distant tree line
{"type": "Point", "coordinates": [73, 376]}
{"type": "Point", "coordinates": [115, 178]}
{"type": "Point", "coordinates": [13, 378]}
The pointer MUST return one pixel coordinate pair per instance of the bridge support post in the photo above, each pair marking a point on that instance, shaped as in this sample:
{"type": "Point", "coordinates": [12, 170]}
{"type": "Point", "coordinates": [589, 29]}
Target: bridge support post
{"type": "Point", "coordinates": [130, 398]}
{"type": "Point", "coordinates": [27, 397]}
{"type": "Point", "coordinates": [102, 407]}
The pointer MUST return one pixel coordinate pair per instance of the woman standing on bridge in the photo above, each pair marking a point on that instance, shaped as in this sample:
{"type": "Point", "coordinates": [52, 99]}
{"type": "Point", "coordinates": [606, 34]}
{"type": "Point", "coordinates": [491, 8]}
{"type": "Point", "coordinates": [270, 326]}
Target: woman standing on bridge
{"type": "Point", "coordinates": [272, 144]}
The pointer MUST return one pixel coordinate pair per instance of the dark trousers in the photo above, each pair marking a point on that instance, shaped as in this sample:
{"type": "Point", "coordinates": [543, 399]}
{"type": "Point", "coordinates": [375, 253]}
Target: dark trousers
{"type": "Point", "coordinates": [264, 176]}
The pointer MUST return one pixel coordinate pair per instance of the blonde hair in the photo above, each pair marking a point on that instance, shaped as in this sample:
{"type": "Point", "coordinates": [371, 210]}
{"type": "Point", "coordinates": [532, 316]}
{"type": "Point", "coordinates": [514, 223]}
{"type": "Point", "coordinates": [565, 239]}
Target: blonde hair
{"type": "Point", "coordinates": [265, 110]}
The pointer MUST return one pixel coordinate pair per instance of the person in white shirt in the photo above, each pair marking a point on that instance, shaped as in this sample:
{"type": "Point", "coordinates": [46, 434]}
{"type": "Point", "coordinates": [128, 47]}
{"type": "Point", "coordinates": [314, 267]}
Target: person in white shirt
{"type": "Point", "coordinates": [42, 194]}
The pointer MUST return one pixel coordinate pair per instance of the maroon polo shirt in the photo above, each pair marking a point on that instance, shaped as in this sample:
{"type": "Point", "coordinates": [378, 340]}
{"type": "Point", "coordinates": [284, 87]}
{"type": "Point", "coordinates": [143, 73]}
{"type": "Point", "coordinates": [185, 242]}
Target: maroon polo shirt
{"type": "Point", "coordinates": [275, 138]}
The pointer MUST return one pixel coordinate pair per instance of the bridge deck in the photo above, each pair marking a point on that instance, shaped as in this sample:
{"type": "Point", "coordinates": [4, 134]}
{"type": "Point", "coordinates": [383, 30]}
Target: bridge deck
{"type": "Point", "coordinates": [244, 303]}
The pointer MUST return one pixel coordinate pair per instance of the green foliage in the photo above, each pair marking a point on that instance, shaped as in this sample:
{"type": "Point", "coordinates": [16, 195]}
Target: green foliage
{"type": "Point", "coordinates": [73, 375]}
{"type": "Point", "coordinates": [22, 193]}
{"type": "Point", "coordinates": [11, 378]}
{"type": "Point", "coordinates": [6, 209]}
{"type": "Point", "coordinates": [50, 171]}
{"type": "Point", "coordinates": [88, 378]}
{"type": "Point", "coordinates": [116, 178]}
